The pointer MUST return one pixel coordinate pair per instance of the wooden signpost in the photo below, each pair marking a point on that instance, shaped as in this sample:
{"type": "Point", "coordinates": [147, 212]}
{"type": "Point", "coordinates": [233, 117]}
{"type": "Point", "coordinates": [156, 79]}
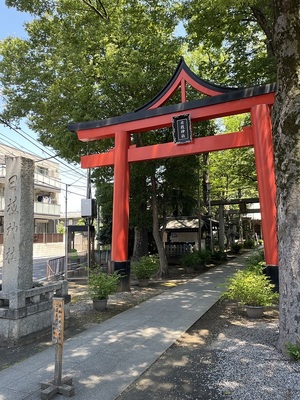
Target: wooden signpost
{"type": "Point", "coordinates": [59, 385]}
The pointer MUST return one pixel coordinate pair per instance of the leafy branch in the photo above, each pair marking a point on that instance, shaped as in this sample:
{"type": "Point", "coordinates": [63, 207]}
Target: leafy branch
{"type": "Point", "coordinates": [99, 8]}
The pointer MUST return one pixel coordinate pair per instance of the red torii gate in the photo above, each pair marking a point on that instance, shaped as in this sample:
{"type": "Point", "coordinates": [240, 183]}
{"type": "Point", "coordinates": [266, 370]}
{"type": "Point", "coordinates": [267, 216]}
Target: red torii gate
{"type": "Point", "coordinates": [220, 102]}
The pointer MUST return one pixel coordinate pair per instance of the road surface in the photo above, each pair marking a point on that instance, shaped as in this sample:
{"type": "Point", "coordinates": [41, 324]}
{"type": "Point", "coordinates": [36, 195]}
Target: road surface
{"type": "Point", "coordinates": [39, 269]}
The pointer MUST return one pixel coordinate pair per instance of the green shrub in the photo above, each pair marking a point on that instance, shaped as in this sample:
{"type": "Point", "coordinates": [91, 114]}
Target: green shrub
{"type": "Point", "coordinates": [294, 351]}
{"type": "Point", "coordinates": [249, 244]}
{"type": "Point", "coordinates": [197, 259]}
{"type": "Point", "coordinates": [73, 255]}
{"type": "Point", "coordinates": [255, 258]}
{"type": "Point", "coordinates": [190, 260]}
{"type": "Point", "coordinates": [206, 256]}
{"type": "Point", "coordinates": [145, 267]}
{"type": "Point", "coordinates": [101, 284]}
{"type": "Point", "coordinates": [219, 256]}
{"type": "Point", "coordinates": [236, 247]}
{"type": "Point", "coordinates": [256, 262]}
{"type": "Point", "coordinates": [61, 228]}
{"type": "Point", "coordinates": [250, 288]}
{"type": "Point", "coordinates": [257, 268]}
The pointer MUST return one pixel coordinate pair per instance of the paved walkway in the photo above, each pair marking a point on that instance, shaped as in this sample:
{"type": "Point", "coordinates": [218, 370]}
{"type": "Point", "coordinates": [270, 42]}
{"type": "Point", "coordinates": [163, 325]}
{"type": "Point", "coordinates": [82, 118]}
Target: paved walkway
{"type": "Point", "coordinates": [104, 360]}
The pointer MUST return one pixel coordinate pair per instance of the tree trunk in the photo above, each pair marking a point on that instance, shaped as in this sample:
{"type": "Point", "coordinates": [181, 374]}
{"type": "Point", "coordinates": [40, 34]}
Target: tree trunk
{"type": "Point", "coordinates": [286, 131]}
{"type": "Point", "coordinates": [164, 269]}
{"type": "Point", "coordinates": [140, 247]}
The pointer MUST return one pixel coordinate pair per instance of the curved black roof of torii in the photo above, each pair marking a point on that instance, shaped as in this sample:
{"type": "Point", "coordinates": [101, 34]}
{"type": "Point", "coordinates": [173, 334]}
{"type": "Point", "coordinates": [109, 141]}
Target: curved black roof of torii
{"type": "Point", "coordinates": [215, 95]}
{"type": "Point", "coordinates": [182, 66]}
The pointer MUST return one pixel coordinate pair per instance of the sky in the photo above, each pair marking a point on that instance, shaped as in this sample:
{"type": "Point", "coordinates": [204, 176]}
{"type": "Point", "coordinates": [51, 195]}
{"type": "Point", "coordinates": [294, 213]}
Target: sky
{"type": "Point", "coordinates": [11, 24]}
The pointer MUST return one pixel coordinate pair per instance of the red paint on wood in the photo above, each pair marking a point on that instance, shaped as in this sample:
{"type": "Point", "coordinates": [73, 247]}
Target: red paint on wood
{"type": "Point", "coordinates": [165, 120]}
{"type": "Point", "coordinates": [183, 91]}
{"type": "Point", "coordinates": [121, 198]}
{"type": "Point", "coordinates": [166, 150]}
{"type": "Point", "coordinates": [264, 158]}
{"type": "Point", "coordinates": [184, 77]}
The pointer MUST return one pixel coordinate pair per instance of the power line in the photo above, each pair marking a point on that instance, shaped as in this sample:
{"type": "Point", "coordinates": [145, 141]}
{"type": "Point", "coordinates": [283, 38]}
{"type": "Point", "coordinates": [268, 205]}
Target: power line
{"type": "Point", "coordinates": [5, 150]}
{"type": "Point", "coordinates": [23, 134]}
{"type": "Point", "coordinates": [77, 194]}
{"type": "Point", "coordinates": [65, 172]}
{"type": "Point", "coordinates": [10, 150]}
{"type": "Point", "coordinates": [10, 141]}
{"type": "Point", "coordinates": [34, 142]}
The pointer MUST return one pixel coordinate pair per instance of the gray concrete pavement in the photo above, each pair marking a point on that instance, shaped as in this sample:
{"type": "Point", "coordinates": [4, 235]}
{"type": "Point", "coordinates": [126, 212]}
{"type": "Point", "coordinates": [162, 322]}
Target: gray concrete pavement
{"type": "Point", "coordinates": [108, 357]}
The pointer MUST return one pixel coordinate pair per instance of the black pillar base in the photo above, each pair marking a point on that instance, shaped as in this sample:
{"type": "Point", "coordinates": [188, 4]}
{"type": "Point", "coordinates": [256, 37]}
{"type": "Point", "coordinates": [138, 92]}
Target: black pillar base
{"type": "Point", "coordinates": [123, 268]}
{"type": "Point", "coordinates": [272, 272]}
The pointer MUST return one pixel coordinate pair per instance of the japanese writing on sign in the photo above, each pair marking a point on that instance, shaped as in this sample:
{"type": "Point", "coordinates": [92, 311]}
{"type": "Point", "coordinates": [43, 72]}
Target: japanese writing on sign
{"type": "Point", "coordinates": [58, 320]}
{"type": "Point", "coordinates": [182, 130]}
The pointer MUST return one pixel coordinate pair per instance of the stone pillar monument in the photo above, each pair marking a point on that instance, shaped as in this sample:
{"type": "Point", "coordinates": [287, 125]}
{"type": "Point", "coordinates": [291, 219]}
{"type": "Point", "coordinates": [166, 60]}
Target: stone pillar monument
{"type": "Point", "coordinates": [24, 309]}
{"type": "Point", "coordinates": [221, 227]}
{"type": "Point", "coordinates": [18, 225]}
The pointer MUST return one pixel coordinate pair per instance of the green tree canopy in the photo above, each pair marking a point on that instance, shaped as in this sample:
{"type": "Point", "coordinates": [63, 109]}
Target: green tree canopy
{"type": "Point", "coordinates": [234, 39]}
{"type": "Point", "coordinates": [233, 172]}
{"type": "Point", "coordinates": [84, 61]}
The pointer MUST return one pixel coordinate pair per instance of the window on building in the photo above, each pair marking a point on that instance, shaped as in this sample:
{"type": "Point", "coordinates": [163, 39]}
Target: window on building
{"type": "Point", "coordinates": [42, 170]}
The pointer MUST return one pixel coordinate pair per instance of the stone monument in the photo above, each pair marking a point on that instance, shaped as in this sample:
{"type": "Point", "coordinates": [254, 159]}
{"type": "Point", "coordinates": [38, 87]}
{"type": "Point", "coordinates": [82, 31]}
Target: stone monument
{"type": "Point", "coordinates": [18, 225]}
{"type": "Point", "coordinates": [24, 309]}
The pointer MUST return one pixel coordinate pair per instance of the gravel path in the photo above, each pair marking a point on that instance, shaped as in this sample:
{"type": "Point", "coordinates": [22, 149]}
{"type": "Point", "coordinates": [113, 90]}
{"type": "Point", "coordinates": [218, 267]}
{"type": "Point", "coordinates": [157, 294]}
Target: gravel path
{"type": "Point", "coordinates": [249, 366]}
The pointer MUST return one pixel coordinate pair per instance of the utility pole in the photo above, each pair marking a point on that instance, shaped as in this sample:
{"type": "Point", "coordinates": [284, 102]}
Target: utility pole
{"type": "Point", "coordinates": [88, 220]}
{"type": "Point", "coordinates": [66, 233]}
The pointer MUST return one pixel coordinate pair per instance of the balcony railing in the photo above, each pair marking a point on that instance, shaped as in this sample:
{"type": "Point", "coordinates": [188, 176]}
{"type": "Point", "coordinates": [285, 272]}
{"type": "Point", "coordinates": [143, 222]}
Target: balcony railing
{"type": "Point", "coordinates": [45, 180]}
{"type": "Point", "coordinates": [47, 209]}
{"type": "Point", "coordinates": [39, 179]}
{"type": "Point", "coordinates": [39, 208]}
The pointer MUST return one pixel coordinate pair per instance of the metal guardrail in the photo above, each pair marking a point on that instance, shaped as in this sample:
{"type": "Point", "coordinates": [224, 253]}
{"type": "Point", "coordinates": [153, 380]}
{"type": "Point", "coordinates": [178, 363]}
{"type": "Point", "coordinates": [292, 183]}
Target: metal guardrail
{"type": "Point", "coordinates": [55, 268]}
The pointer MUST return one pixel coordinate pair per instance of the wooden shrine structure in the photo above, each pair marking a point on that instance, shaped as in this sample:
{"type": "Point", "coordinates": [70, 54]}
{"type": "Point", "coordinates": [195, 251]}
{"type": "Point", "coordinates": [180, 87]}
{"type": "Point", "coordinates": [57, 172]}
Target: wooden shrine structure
{"type": "Point", "coordinates": [218, 102]}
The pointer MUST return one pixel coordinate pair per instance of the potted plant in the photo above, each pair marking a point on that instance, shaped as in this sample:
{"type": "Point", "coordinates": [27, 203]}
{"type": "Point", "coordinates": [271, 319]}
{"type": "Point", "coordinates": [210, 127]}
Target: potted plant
{"type": "Point", "coordinates": [253, 289]}
{"type": "Point", "coordinates": [145, 268]}
{"type": "Point", "coordinates": [100, 286]}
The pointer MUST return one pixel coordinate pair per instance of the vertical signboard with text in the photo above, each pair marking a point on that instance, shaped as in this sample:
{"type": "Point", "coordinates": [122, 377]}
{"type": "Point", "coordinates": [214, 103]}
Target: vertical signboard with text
{"type": "Point", "coordinates": [182, 129]}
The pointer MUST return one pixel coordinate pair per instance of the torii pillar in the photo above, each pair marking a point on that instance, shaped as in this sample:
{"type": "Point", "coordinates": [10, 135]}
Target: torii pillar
{"type": "Point", "coordinates": [119, 251]}
{"type": "Point", "coordinates": [264, 159]}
